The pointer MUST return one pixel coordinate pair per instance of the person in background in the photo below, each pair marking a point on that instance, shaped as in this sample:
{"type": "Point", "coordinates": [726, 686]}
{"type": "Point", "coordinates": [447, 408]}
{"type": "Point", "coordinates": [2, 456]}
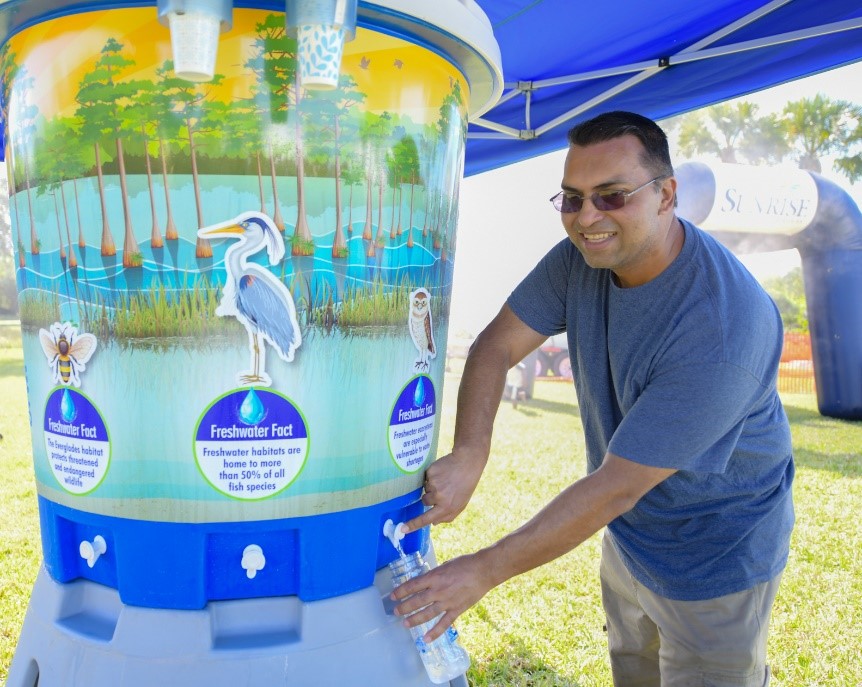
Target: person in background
{"type": "Point", "coordinates": [516, 383]}
{"type": "Point", "coordinates": [675, 349]}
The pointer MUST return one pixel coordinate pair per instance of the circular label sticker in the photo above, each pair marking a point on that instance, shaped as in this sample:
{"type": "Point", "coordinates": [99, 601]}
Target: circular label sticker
{"type": "Point", "coordinates": [411, 425]}
{"type": "Point", "coordinates": [76, 441]}
{"type": "Point", "coordinates": [251, 443]}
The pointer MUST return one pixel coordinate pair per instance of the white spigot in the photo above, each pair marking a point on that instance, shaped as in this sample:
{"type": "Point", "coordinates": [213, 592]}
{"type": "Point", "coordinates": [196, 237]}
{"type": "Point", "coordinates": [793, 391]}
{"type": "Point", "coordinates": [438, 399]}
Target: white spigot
{"type": "Point", "coordinates": [252, 560]}
{"type": "Point", "coordinates": [90, 551]}
{"type": "Point", "coordinates": [394, 533]}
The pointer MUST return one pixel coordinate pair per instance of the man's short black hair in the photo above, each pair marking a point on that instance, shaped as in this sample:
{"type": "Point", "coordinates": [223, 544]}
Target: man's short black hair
{"type": "Point", "coordinates": [611, 125]}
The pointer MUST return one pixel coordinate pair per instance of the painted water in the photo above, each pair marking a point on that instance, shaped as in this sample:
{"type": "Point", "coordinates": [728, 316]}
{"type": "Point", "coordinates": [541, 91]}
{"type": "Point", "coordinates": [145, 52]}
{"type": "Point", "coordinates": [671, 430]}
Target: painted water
{"type": "Point", "coordinates": [99, 280]}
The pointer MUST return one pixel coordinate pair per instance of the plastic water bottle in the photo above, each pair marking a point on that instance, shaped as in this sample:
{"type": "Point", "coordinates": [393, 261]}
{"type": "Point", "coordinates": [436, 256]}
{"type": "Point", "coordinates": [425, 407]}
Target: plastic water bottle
{"type": "Point", "coordinates": [444, 658]}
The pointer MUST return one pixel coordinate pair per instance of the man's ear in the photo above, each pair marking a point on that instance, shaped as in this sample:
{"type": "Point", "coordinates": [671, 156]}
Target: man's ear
{"type": "Point", "coordinates": [668, 195]}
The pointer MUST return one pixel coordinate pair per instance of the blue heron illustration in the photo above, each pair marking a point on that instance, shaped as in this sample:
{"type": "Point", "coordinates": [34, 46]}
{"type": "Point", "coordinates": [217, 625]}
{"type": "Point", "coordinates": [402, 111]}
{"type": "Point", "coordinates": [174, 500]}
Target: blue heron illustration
{"type": "Point", "coordinates": [253, 295]}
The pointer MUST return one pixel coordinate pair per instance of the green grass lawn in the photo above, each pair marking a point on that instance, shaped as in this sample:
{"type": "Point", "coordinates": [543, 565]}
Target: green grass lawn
{"type": "Point", "coordinates": [20, 547]}
{"type": "Point", "coordinates": [545, 627]}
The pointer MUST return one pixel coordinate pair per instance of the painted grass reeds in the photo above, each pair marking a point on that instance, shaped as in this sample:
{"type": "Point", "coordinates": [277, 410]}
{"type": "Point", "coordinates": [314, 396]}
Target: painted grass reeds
{"type": "Point", "coordinates": [160, 312]}
{"type": "Point", "coordinates": [36, 308]}
{"type": "Point", "coordinates": [381, 305]}
{"type": "Point", "coordinates": [189, 313]}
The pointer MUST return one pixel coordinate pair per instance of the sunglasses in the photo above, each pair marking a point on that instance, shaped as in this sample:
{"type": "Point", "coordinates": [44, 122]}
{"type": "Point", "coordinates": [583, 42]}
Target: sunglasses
{"type": "Point", "coordinates": [603, 202]}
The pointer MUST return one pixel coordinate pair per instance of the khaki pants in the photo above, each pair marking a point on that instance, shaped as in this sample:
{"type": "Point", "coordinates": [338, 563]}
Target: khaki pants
{"type": "Point", "coordinates": [657, 642]}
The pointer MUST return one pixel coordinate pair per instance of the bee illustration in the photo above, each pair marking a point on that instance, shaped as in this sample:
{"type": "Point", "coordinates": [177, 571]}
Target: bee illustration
{"type": "Point", "coordinates": [67, 352]}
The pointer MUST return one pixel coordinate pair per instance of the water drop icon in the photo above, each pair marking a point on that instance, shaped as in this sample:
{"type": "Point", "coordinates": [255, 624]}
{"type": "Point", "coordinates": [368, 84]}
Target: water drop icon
{"type": "Point", "coordinates": [419, 394]}
{"type": "Point", "coordinates": [252, 409]}
{"type": "Point", "coordinates": [68, 411]}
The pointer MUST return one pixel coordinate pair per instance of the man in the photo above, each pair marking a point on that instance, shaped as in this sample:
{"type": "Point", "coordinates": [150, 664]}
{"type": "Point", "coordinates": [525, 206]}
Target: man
{"type": "Point", "coordinates": [675, 350]}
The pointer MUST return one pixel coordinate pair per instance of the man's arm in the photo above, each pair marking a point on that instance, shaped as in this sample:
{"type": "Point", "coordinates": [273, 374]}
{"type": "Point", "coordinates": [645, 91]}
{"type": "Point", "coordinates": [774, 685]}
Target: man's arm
{"type": "Point", "coordinates": [451, 480]}
{"type": "Point", "coordinates": [574, 515]}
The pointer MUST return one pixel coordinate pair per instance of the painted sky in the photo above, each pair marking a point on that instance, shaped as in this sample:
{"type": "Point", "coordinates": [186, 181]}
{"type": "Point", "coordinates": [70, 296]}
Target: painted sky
{"type": "Point", "coordinates": [395, 75]}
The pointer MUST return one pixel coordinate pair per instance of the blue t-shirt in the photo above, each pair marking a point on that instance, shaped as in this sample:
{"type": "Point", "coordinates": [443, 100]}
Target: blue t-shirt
{"type": "Point", "coordinates": [680, 373]}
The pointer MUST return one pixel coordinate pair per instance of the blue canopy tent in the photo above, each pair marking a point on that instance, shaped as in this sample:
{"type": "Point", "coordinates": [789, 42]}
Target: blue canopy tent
{"type": "Point", "coordinates": [565, 61]}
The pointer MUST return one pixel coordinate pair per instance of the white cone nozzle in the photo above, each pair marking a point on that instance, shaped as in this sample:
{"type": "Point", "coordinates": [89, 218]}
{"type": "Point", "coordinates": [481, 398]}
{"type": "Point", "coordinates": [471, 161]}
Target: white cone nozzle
{"type": "Point", "coordinates": [195, 26]}
{"type": "Point", "coordinates": [321, 28]}
{"type": "Point", "coordinates": [320, 50]}
{"type": "Point", "coordinates": [194, 41]}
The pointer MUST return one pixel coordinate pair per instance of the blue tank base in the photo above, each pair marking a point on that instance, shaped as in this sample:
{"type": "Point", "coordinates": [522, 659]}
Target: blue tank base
{"type": "Point", "coordinates": [80, 634]}
{"type": "Point", "coordinates": [184, 566]}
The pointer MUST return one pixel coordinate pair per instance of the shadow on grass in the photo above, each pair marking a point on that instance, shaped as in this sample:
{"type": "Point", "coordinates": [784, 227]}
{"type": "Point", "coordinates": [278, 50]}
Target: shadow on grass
{"type": "Point", "coordinates": [516, 666]}
{"type": "Point", "coordinates": [846, 465]}
{"type": "Point", "coordinates": [803, 416]}
{"type": "Point", "coordinates": [807, 416]}
{"type": "Point", "coordinates": [845, 461]}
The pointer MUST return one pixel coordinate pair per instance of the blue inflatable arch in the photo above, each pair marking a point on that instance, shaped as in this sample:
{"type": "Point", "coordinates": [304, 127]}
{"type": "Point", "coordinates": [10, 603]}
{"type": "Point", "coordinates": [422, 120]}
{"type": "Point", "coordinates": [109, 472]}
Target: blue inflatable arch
{"type": "Point", "coordinates": [754, 209]}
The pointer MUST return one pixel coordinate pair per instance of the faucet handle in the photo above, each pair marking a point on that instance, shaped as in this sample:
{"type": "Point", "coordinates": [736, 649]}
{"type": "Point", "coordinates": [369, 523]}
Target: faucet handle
{"type": "Point", "coordinates": [252, 560]}
{"type": "Point", "coordinates": [90, 551]}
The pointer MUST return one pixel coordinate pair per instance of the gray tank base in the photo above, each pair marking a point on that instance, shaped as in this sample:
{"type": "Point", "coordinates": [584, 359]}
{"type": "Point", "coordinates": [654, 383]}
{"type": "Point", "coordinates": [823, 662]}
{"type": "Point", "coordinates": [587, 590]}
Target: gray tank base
{"type": "Point", "coordinates": [81, 635]}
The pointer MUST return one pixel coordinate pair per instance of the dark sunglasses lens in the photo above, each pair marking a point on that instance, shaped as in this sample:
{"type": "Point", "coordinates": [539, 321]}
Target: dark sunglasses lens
{"type": "Point", "coordinates": [609, 201]}
{"type": "Point", "coordinates": [570, 203]}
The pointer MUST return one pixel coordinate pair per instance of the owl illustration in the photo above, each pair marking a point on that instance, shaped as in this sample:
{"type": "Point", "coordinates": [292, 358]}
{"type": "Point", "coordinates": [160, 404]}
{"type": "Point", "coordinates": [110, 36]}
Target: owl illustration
{"type": "Point", "coordinates": [419, 322]}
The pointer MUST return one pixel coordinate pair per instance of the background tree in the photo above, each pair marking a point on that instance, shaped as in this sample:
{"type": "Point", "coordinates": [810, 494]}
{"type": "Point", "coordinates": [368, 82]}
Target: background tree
{"type": "Point", "coordinates": [808, 129]}
{"type": "Point", "coordinates": [732, 131]}
{"type": "Point", "coordinates": [788, 292]}
{"type": "Point", "coordinates": [851, 166]}
{"type": "Point", "coordinates": [819, 127]}
{"type": "Point", "coordinates": [764, 141]}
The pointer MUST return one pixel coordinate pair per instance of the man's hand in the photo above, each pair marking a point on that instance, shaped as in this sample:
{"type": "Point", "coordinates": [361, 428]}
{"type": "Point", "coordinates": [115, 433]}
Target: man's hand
{"type": "Point", "coordinates": [449, 590]}
{"type": "Point", "coordinates": [449, 483]}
